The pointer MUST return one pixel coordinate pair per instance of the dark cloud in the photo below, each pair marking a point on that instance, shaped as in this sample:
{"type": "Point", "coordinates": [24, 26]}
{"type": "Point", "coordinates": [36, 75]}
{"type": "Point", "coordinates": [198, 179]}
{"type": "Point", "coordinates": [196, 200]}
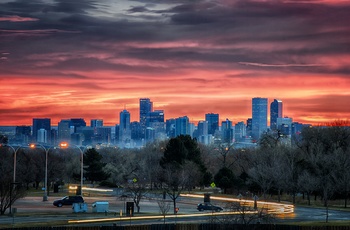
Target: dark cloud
{"type": "Point", "coordinates": [68, 6]}
{"type": "Point", "coordinates": [138, 9]}
{"type": "Point", "coordinates": [158, 40]}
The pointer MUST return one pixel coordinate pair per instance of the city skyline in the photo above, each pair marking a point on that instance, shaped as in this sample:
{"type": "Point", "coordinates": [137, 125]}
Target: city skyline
{"type": "Point", "coordinates": [93, 59]}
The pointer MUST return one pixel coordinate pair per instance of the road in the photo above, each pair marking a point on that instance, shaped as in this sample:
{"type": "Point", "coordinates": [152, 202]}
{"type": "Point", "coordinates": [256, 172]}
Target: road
{"type": "Point", "coordinates": [33, 209]}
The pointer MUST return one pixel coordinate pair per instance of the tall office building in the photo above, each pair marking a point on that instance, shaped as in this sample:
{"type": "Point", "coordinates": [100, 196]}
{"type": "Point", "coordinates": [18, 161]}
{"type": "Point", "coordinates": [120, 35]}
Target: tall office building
{"type": "Point", "coordinates": [23, 134]}
{"type": "Point", "coordinates": [202, 132]}
{"type": "Point", "coordinates": [259, 117]}
{"type": "Point", "coordinates": [42, 136]}
{"type": "Point", "coordinates": [124, 127]}
{"type": "Point", "coordinates": [170, 127]}
{"type": "Point", "coordinates": [213, 122]}
{"type": "Point", "coordinates": [77, 122]}
{"type": "Point", "coordinates": [116, 134]}
{"type": "Point", "coordinates": [202, 128]}
{"type": "Point", "coordinates": [181, 126]}
{"type": "Point", "coordinates": [227, 131]}
{"type": "Point", "coordinates": [284, 125]}
{"type": "Point", "coordinates": [41, 123]}
{"type": "Point", "coordinates": [96, 123]}
{"type": "Point", "coordinates": [103, 134]}
{"type": "Point", "coordinates": [240, 131]}
{"type": "Point", "coordinates": [136, 131]}
{"type": "Point", "coordinates": [64, 131]}
{"type": "Point", "coordinates": [249, 127]}
{"type": "Point", "coordinates": [276, 111]}
{"type": "Point", "coordinates": [155, 120]}
{"type": "Point", "coordinates": [146, 106]}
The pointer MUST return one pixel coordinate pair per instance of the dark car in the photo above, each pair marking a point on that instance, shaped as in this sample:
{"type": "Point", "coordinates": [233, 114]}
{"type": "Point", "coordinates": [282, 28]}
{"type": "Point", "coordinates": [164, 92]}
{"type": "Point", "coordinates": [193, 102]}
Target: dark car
{"type": "Point", "coordinates": [201, 207]}
{"type": "Point", "coordinates": [68, 200]}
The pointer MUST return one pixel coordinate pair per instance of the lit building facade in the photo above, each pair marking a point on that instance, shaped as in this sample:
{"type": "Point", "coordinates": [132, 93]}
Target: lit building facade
{"type": "Point", "coordinates": [64, 131]}
{"type": "Point", "coordinates": [41, 123]}
{"type": "Point", "coordinates": [276, 111]}
{"type": "Point", "coordinates": [146, 106]}
{"type": "Point", "coordinates": [213, 122]}
{"type": "Point", "coordinates": [259, 117]}
{"type": "Point", "coordinates": [124, 127]}
{"type": "Point", "coordinates": [227, 131]}
{"type": "Point", "coordinates": [240, 131]}
{"type": "Point", "coordinates": [181, 126]}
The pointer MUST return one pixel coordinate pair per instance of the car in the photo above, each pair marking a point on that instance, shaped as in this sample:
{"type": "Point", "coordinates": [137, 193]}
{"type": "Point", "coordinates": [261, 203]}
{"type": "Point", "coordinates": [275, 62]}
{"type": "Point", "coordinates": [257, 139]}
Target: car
{"type": "Point", "coordinates": [68, 200]}
{"type": "Point", "coordinates": [206, 206]}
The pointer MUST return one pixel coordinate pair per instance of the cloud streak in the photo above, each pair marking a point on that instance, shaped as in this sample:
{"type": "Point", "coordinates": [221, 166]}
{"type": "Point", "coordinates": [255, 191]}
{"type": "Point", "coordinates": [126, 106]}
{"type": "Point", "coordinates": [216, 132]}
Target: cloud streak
{"type": "Point", "coordinates": [189, 57]}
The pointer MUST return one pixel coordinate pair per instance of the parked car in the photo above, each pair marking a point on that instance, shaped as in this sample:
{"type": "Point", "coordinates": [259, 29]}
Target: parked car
{"type": "Point", "coordinates": [68, 200]}
{"type": "Point", "coordinates": [201, 207]}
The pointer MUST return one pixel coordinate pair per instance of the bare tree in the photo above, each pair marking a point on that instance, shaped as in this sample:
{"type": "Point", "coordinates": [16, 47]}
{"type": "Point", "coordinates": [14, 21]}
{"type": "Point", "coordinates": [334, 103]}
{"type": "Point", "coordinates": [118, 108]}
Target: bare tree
{"type": "Point", "coordinates": [175, 180]}
{"type": "Point", "coordinates": [10, 191]}
{"type": "Point", "coordinates": [308, 184]}
{"type": "Point", "coordinates": [291, 169]}
{"type": "Point", "coordinates": [320, 150]}
{"type": "Point", "coordinates": [223, 151]}
{"type": "Point", "coordinates": [262, 171]}
{"type": "Point", "coordinates": [137, 189]}
{"type": "Point", "coordinates": [164, 207]}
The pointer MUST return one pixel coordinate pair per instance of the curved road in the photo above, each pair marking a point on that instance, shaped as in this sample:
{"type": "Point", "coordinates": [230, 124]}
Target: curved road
{"type": "Point", "coordinates": [33, 209]}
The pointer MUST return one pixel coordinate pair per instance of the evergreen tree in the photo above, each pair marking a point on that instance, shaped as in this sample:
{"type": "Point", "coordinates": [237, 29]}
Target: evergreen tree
{"type": "Point", "coordinates": [93, 166]}
{"type": "Point", "coordinates": [224, 179]}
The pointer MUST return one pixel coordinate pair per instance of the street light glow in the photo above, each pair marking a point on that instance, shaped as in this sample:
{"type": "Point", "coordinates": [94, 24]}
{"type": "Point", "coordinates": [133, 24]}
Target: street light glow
{"type": "Point", "coordinates": [64, 145]}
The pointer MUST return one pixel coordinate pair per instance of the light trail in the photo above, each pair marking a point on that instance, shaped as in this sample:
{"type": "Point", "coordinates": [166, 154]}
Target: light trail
{"type": "Point", "coordinates": [154, 217]}
{"type": "Point", "coordinates": [271, 207]}
{"type": "Point", "coordinates": [90, 189]}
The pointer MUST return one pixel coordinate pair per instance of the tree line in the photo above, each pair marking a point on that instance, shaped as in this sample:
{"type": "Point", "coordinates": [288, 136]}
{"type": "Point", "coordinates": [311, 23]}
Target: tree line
{"type": "Point", "coordinates": [316, 165]}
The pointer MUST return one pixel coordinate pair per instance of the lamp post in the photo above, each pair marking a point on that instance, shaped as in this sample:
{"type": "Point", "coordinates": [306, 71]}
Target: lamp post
{"type": "Point", "coordinates": [15, 150]}
{"type": "Point", "coordinates": [66, 145]}
{"type": "Point", "coordinates": [46, 156]}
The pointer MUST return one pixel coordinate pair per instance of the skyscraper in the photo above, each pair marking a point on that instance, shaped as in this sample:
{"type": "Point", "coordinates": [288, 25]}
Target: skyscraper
{"type": "Point", "coordinates": [42, 136]}
{"type": "Point", "coordinates": [181, 126]}
{"type": "Point", "coordinates": [124, 127]}
{"type": "Point", "coordinates": [276, 111]}
{"type": "Point", "coordinates": [259, 117]}
{"type": "Point", "coordinates": [227, 131]}
{"type": "Point", "coordinates": [284, 125]}
{"type": "Point", "coordinates": [146, 106]}
{"type": "Point", "coordinates": [249, 127]}
{"type": "Point", "coordinates": [64, 130]}
{"type": "Point", "coordinates": [240, 131]}
{"type": "Point", "coordinates": [202, 128]}
{"type": "Point", "coordinates": [213, 122]}
{"type": "Point", "coordinates": [155, 116]}
{"type": "Point", "coordinates": [96, 123]}
{"type": "Point", "coordinates": [155, 120]}
{"type": "Point", "coordinates": [202, 132]}
{"type": "Point", "coordinates": [136, 132]}
{"type": "Point", "coordinates": [23, 134]}
{"type": "Point", "coordinates": [104, 134]}
{"type": "Point", "coordinates": [41, 123]}
{"type": "Point", "coordinates": [170, 127]}
{"type": "Point", "coordinates": [77, 122]}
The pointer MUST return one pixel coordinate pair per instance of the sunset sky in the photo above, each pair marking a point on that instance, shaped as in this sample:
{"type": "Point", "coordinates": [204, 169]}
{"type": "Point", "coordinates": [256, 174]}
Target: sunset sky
{"type": "Point", "coordinates": [92, 58]}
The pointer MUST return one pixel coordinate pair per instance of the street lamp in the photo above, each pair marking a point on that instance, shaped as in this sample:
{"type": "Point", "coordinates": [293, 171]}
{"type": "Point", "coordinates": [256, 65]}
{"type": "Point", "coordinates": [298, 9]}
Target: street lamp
{"type": "Point", "coordinates": [66, 145]}
{"type": "Point", "coordinates": [33, 146]}
{"type": "Point", "coordinates": [15, 150]}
